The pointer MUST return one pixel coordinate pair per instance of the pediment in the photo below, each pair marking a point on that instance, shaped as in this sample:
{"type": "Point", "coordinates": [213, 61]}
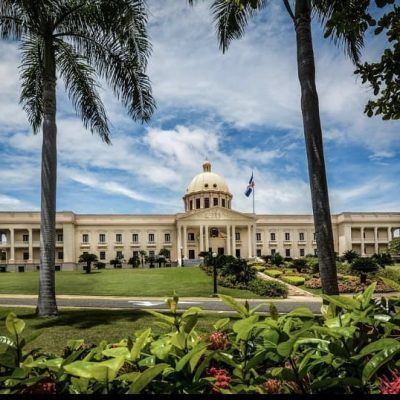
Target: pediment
{"type": "Point", "coordinates": [217, 214]}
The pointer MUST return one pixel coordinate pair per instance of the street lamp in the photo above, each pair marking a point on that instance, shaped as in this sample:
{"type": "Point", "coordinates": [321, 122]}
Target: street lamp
{"type": "Point", "coordinates": [214, 257]}
{"type": "Point", "coordinates": [182, 264]}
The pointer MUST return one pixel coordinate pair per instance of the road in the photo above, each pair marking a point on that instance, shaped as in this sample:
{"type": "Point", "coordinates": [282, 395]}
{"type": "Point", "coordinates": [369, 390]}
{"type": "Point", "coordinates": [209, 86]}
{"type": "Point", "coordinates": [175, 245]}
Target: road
{"type": "Point", "coordinates": [207, 304]}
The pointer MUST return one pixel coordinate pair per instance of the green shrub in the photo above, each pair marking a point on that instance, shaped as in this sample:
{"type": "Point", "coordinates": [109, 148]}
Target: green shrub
{"type": "Point", "coordinates": [342, 268]}
{"type": "Point", "coordinates": [260, 268]}
{"type": "Point", "coordinates": [383, 259]}
{"type": "Point", "coordinates": [350, 256]}
{"type": "Point", "coordinates": [274, 273]}
{"type": "Point", "coordinates": [293, 280]}
{"type": "Point", "coordinates": [390, 273]}
{"type": "Point", "coordinates": [312, 264]}
{"type": "Point", "coordinates": [248, 354]}
{"type": "Point", "coordinates": [363, 266]}
{"type": "Point", "coordinates": [268, 288]}
{"type": "Point", "coordinates": [298, 264]}
{"type": "Point", "coordinates": [239, 269]}
{"type": "Point", "coordinates": [276, 259]}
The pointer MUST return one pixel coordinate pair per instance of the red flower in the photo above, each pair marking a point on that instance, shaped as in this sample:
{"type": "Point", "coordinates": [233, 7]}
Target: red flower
{"type": "Point", "coordinates": [40, 388]}
{"type": "Point", "coordinates": [218, 341]}
{"type": "Point", "coordinates": [272, 386]}
{"type": "Point", "coordinates": [222, 379]}
{"type": "Point", "coordinates": [390, 386]}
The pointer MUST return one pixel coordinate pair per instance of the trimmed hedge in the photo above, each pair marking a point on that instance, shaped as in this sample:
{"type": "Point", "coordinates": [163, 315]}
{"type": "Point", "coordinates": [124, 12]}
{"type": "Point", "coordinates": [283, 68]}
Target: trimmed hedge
{"type": "Point", "coordinates": [293, 280]}
{"type": "Point", "coordinates": [274, 273]}
{"type": "Point", "coordinates": [268, 288]}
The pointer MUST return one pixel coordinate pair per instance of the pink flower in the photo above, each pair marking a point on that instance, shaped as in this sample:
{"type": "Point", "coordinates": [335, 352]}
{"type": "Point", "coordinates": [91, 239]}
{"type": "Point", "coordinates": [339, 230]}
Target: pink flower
{"type": "Point", "coordinates": [392, 386]}
{"type": "Point", "coordinates": [222, 379]}
{"type": "Point", "coordinates": [218, 341]}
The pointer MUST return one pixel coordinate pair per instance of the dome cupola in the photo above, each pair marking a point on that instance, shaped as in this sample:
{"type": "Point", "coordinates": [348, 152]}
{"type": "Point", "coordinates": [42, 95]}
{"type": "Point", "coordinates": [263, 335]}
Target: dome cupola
{"type": "Point", "coordinates": [207, 190]}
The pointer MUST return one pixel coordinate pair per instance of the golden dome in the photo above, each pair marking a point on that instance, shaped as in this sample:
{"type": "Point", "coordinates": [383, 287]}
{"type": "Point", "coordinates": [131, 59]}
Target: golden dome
{"type": "Point", "coordinates": [207, 181]}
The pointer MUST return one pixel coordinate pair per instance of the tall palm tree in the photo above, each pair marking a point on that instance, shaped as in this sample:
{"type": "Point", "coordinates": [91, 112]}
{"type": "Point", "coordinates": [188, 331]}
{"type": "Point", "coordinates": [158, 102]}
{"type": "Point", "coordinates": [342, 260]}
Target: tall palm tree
{"type": "Point", "coordinates": [78, 41]}
{"type": "Point", "coordinates": [341, 19]}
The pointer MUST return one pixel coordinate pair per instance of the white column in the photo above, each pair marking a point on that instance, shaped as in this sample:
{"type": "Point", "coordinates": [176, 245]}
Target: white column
{"type": "Point", "coordinates": [389, 234]}
{"type": "Point", "coordinates": [249, 239]}
{"type": "Point", "coordinates": [185, 241]}
{"type": "Point", "coordinates": [228, 240]}
{"type": "Point", "coordinates": [233, 241]}
{"type": "Point", "coordinates": [30, 245]}
{"type": "Point", "coordinates": [12, 246]}
{"type": "Point", "coordinates": [179, 244]}
{"type": "Point", "coordinates": [253, 238]}
{"type": "Point", "coordinates": [376, 239]}
{"type": "Point", "coordinates": [207, 240]}
{"type": "Point", "coordinates": [201, 238]}
{"type": "Point", "coordinates": [362, 242]}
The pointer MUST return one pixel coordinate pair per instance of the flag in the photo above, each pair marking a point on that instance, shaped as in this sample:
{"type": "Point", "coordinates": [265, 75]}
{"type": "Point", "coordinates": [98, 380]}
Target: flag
{"type": "Point", "coordinates": [250, 186]}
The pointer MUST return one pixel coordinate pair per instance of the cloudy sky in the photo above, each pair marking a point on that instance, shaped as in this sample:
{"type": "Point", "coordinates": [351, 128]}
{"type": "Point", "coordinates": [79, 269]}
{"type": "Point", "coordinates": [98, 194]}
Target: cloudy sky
{"type": "Point", "coordinates": [241, 110]}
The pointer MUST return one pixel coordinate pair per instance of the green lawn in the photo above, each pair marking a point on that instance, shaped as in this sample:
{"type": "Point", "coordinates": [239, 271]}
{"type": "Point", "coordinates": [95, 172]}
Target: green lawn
{"type": "Point", "coordinates": [191, 281]}
{"type": "Point", "coordinates": [93, 326]}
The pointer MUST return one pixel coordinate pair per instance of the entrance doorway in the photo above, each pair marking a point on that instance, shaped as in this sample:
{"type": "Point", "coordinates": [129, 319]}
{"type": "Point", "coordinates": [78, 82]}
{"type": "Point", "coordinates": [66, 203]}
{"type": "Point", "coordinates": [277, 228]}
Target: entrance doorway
{"type": "Point", "coordinates": [220, 251]}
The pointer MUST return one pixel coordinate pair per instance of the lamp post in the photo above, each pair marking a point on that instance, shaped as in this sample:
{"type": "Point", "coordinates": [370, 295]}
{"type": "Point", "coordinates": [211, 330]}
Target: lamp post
{"type": "Point", "coordinates": [182, 264]}
{"type": "Point", "coordinates": [214, 257]}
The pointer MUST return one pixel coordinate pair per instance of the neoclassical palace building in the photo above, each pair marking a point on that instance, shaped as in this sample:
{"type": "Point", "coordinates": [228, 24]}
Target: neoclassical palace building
{"type": "Point", "coordinates": [208, 223]}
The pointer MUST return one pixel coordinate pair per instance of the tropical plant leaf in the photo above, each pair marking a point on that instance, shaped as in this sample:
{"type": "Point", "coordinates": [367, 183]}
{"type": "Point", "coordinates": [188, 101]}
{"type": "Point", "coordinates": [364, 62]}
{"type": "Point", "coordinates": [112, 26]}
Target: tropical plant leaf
{"type": "Point", "coordinates": [163, 317]}
{"type": "Point", "coordinates": [239, 308]}
{"type": "Point", "coordinates": [14, 325]}
{"type": "Point", "coordinates": [379, 345]}
{"type": "Point", "coordinates": [197, 350]}
{"type": "Point", "coordinates": [146, 377]}
{"type": "Point", "coordinates": [117, 352]}
{"type": "Point", "coordinates": [301, 312]}
{"type": "Point", "coordinates": [367, 295]}
{"type": "Point", "coordinates": [342, 301]}
{"type": "Point", "coordinates": [394, 285]}
{"type": "Point", "coordinates": [221, 323]}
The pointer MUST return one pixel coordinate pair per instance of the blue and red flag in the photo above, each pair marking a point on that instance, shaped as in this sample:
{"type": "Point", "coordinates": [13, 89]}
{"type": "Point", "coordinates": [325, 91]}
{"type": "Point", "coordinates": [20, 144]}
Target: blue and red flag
{"type": "Point", "coordinates": [250, 186]}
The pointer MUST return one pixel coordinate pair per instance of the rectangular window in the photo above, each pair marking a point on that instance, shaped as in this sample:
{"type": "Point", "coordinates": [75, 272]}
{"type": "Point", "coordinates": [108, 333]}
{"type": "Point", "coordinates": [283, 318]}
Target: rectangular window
{"type": "Point", "coordinates": [315, 252]}
{"type": "Point", "coordinates": [197, 203]}
{"type": "Point", "coordinates": [151, 237]}
{"type": "Point", "coordinates": [301, 236]}
{"type": "Point", "coordinates": [287, 252]}
{"type": "Point", "coordinates": [60, 255]}
{"type": "Point", "coordinates": [237, 252]}
{"type": "Point", "coordinates": [237, 235]}
{"type": "Point", "coordinates": [102, 255]}
{"type": "Point", "coordinates": [191, 204]}
{"type": "Point", "coordinates": [215, 201]}
{"type": "Point", "coordinates": [191, 236]}
{"type": "Point", "coordinates": [258, 237]}
{"type": "Point", "coordinates": [60, 237]}
{"type": "Point", "coordinates": [258, 252]}
{"type": "Point", "coordinates": [119, 254]}
{"type": "Point", "coordinates": [206, 202]}
{"type": "Point", "coordinates": [223, 202]}
{"type": "Point", "coordinates": [273, 252]}
{"type": "Point", "coordinates": [135, 238]}
{"type": "Point", "coordinates": [85, 238]}
{"type": "Point", "coordinates": [25, 238]}
{"type": "Point", "coordinates": [167, 237]}
{"type": "Point", "coordinates": [151, 253]}
{"type": "Point", "coordinates": [118, 238]}
{"type": "Point", "coordinates": [273, 236]}
{"type": "Point", "coordinates": [26, 256]}
{"type": "Point", "coordinates": [287, 236]}
{"type": "Point", "coordinates": [102, 238]}
{"type": "Point", "coordinates": [301, 252]}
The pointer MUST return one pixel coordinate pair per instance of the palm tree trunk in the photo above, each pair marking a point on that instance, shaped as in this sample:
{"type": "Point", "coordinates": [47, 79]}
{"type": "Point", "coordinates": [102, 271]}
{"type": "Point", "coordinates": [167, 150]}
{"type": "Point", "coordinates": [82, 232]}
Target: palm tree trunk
{"type": "Point", "coordinates": [315, 150]}
{"type": "Point", "coordinates": [47, 294]}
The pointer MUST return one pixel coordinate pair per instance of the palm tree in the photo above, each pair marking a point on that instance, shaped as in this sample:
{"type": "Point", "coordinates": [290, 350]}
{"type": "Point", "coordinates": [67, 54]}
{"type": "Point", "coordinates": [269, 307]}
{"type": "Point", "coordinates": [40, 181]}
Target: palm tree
{"type": "Point", "coordinates": [78, 41]}
{"type": "Point", "coordinates": [341, 20]}
{"type": "Point", "coordinates": [88, 259]}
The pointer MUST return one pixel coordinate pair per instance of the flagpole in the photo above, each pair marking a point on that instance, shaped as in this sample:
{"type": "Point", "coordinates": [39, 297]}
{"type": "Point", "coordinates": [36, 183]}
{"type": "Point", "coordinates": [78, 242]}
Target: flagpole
{"type": "Point", "coordinates": [253, 192]}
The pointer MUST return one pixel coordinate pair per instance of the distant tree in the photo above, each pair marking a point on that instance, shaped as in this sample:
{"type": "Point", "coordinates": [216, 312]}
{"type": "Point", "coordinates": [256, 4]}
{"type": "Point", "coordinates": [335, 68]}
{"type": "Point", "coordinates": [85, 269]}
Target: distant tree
{"type": "Point", "coordinates": [276, 259]}
{"type": "Point", "coordinates": [350, 256]}
{"type": "Point", "coordinates": [134, 261]}
{"type": "Point", "coordinates": [384, 75]}
{"type": "Point", "coordinates": [383, 259]}
{"type": "Point", "coordinates": [88, 258]}
{"type": "Point", "coordinates": [117, 261]}
{"type": "Point", "coordinates": [165, 255]}
{"type": "Point", "coordinates": [394, 246]}
{"type": "Point", "coordinates": [363, 266]}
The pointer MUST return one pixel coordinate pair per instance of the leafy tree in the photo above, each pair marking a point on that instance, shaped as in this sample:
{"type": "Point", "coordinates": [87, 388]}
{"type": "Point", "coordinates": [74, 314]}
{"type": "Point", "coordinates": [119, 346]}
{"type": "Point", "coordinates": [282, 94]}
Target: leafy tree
{"type": "Point", "coordinates": [363, 266]}
{"type": "Point", "coordinates": [276, 259]}
{"type": "Point", "coordinates": [350, 256]}
{"type": "Point", "coordinates": [239, 268]}
{"type": "Point", "coordinates": [394, 246]}
{"type": "Point", "coordinates": [384, 75]}
{"type": "Point", "coordinates": [165, 254]}
{"type": "Point", "coordinates": [345, 22]}
{"type": "Point", "coordinates": [299, 264]}
{"type": "Point", "coordinates": [88, 258]}
{"type": "Point", "coordinates": [78, 40]}
{"type": "Point", "coordinates": [134, 261]}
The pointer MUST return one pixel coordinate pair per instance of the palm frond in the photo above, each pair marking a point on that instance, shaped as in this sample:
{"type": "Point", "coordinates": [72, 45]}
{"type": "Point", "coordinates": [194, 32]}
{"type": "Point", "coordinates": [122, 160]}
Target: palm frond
{"type": "Point", "coordinates": [31, 69]}
{"type": "Point", "coordinates": [80, 83]}
{"type": "Point", "coordinates": [114, 39]}
{"type": "Point", "coordinates": [231, 17]}
{"type": "Point", "coordinates": [13, 21]}
{"type": "Point", "coordinates": [345, 22]}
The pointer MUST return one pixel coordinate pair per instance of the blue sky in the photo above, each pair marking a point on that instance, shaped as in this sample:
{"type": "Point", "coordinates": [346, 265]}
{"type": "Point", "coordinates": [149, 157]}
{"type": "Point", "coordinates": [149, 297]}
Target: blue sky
{"type": "Point", "coordinates": [241, 110]}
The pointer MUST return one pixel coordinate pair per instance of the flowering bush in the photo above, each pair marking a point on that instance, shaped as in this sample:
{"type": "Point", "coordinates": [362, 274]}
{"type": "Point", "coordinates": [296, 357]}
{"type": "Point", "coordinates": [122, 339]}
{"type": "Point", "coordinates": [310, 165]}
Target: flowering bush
{"type": "Point", "coordinates": [350, 349]}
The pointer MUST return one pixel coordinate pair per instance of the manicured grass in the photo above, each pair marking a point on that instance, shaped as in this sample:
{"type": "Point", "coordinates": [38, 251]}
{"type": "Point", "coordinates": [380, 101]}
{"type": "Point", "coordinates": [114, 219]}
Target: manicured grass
{"type": "Point", "coordinates": [186, 282]}
{"type": "Point", "coordinates": [92, 325]}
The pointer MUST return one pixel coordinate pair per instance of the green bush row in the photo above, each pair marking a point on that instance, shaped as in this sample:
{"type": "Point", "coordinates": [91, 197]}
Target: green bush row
{"type": "Point", "coordinates": [274, 273]}
{"type": "Point", "coordinates": [293, 280]}
{"type": "Point", "coordinates": [346, 350]}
